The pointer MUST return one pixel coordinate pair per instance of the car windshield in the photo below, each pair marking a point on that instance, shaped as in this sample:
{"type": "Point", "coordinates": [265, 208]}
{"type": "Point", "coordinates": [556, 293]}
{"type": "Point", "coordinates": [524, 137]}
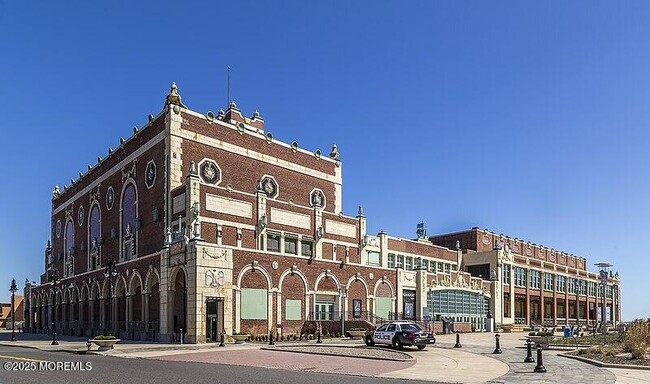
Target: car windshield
{"type": "Point", "coordinates": [411, 328]}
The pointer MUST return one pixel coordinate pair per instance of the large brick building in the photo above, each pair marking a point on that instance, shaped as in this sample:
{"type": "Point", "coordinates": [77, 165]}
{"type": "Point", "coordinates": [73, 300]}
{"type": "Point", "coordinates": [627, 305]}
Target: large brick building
{"type": "Point", "coordinates": [217, 226]}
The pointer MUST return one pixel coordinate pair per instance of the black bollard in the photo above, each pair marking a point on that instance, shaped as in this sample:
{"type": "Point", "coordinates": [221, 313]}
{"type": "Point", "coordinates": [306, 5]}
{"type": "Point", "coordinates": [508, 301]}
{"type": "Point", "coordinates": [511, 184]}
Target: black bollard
{"type": "Point", "coordinates": [223, 339]}
{"type": "Point", "coordinates": [497, 348]}
{"type": "Point", "coordinates": [529, 352]}
{"type": "Point", "coordinates": [458, 344]}
{"type": "Point", "coordinates": [540, 368]}
{"type": "Point", "coordinates": [271, 338]}
{"type": "Point", "coordinates": [318, 340]}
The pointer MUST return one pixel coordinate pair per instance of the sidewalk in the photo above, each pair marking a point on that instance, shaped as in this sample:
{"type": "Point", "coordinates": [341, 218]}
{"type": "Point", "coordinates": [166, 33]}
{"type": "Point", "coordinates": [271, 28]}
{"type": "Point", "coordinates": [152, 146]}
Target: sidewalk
{"type": "Point", "coordinates": [474, 363]}
{"type": "Point", "coordinates": [78, 344]}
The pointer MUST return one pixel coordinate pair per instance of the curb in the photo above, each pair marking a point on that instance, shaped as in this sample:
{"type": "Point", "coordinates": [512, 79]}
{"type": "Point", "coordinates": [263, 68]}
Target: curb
{"type": "Point", "coordinates": [79, 351]}
{"type": "Point", "coordinates": [605, 365]}
{"type": "Point", "coordinates": [285, 349]}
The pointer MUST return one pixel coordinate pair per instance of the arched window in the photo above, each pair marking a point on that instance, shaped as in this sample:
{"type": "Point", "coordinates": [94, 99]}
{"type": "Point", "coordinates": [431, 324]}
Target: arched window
{"type": "Point", "coordinates": [129, 201]}
{"type": "Point", "coordinates": [94, 238]}
{"type": "Point", "coordinates": [69, 249]}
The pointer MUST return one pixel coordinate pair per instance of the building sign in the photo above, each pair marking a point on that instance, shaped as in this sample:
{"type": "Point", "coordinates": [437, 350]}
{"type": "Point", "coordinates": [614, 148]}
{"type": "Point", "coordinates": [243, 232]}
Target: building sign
{"type": "Point", "coordinates": [356, 308]}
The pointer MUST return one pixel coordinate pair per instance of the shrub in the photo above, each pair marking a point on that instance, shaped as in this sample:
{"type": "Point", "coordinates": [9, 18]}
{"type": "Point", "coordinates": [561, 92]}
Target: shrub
{"type": "Point", "coordinates": [637, 339]}
{"type": "Point", "coordinates": [540, 334]}
{"type": "Point", "coordinates": [105, 337]}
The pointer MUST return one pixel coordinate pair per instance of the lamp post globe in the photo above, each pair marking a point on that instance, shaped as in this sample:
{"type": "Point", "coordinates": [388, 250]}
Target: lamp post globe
{"type": "Point", "coordinates": [13, 290]}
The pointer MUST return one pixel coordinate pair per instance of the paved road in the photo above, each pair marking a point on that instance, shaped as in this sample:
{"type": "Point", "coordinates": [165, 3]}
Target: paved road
{"type": "Point", "coordinates": [114, 370]}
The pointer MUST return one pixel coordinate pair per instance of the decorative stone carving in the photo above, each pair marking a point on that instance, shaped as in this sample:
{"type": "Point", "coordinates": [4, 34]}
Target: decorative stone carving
{"type": "Point", "coordinates": [214, 278]}
{"type": "Point", "coordinates": [210, 172]}
{"type": "Point", "coordinates": [128, 173]}
{"type": "Point", "coordinates": [110, 198]}
{"type": "Point", "coordinates": [421, 231]}
{"type": "Point", "coordinates": [269, 186]}
{"type": "Point", "coordinates": [317, 199]}
{"type": "Point", "coordinates": [94, 196]}
{"type": "Point", "coordinates": [150, 174]}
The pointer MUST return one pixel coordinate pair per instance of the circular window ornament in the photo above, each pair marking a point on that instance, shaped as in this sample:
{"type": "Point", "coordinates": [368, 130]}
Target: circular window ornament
{"type": "Point", "coordinates": [80, 215]}
{"type": "Point", "coordinates": [110, 198]}
{"type": "Point", "coordinates": [317, 199]}
{"type": "Point", "coordinates": [529, 251]}
{"type": "Point", "coordinates": [486, 239]}
{"type": "Point", "coordinates": [210, 172]}
{"type": "Point", "coordinates": [150, 174]}
{"type": "Point", "coordinates": [269, 186]}
{"type": "Point", "coordinates": [274, 265]}
{"type": "Point", "coordinates": [58, 229]}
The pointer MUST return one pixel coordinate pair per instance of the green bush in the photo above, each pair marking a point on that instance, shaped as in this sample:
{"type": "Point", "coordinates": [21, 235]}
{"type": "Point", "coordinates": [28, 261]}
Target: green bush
{"type": "Point", "coordinates": [105, 337]}
{"type": "Point", "coordinates": [540, 334]}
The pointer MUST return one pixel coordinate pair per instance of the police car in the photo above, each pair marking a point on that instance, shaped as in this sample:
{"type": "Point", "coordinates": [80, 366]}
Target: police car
{"type": "Point", "coordinates": [400, 333]}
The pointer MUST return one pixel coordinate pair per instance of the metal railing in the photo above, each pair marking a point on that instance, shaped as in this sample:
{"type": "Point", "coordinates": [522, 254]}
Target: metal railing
{"type": "Point", "coordinates": [348, 315]}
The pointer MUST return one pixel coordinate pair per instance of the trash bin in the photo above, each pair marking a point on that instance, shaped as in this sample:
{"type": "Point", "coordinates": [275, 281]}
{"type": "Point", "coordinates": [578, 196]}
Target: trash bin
{"type": "Point", "coordinates": [567, 332]}
{"type": "Point", "coordinates": [445, 325]}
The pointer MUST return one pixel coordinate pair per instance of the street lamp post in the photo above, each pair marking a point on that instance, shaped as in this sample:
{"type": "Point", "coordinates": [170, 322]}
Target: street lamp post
{"type": "Point", "coordinates": [54, 279]}
{"type": "Point", "coordinates": [110, 272]}
{"type": "Point", "coordinates": [13, 290]}
{"type": "Point", "coordinates": [604, 273]}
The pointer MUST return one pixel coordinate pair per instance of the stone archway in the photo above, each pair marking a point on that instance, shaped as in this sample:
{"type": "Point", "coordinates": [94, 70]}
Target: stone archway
{"type": "Point", "coordinates": [292, 302]}
{"type": "Point", "coordinates": [357, 303]}
{"type": "Point", "coordinates": [254, 304]}
{"type": "Point", "coordinates": [179, 303]}
{"type": "Point", "coordinates": [119, 298]}
{"type": "Point", "coordinates": [135, 293]}
{"type": "Point", "coordinates": [384, 304]}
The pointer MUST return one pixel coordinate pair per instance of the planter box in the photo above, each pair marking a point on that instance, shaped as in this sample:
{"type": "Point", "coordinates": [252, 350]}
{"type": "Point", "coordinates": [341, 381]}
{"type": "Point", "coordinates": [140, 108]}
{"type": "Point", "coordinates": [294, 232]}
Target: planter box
{"type": "Point", "coordinates": [356, 335]}
{"type": "Point", "coordinates": [105, 345]}
{"type": "Point", "coordinates": [544, 341]}
{"type": "Point", "coordinates": [240, 339]}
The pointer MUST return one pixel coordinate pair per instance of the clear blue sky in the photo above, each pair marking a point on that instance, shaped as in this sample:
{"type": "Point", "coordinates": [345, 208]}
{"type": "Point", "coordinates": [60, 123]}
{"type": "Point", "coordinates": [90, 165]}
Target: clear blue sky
{"type": "Point", "coordinates": [526, 118]}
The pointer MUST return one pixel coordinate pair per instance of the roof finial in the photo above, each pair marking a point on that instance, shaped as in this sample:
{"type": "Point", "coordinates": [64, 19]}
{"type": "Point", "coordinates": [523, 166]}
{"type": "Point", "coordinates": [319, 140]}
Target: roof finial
{"type": "Point", "coordinates": [174, 97]}
{"type": "Point", "coordinates": [335, 153]}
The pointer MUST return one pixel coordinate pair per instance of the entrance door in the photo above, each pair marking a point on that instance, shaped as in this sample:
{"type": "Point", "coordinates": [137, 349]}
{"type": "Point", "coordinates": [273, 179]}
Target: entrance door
{"type": "Point", "coordinates": [214, 319]}
{"type": "Point", "coordinates": [408, 299]}
{"type": "Point", "coordinates": [324, 311]}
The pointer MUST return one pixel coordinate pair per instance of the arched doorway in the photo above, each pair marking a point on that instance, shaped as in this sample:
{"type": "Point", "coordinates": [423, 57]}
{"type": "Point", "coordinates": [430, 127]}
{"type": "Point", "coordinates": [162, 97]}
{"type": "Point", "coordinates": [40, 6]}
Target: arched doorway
{"type": "Point", "coordinates": [293, 303]}
{"type": "Point", "coordinates": [179, 303]}
{"type": "Point", "coordinates": [357, 306]}
{"type": "Point", "coordinates": [120, 306]}
{"type": "Point", "coordinates": [383, 302]}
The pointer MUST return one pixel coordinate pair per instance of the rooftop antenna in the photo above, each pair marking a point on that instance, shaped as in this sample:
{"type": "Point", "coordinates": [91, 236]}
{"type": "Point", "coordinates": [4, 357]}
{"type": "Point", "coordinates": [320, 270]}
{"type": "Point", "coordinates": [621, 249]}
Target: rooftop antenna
{"type": "Point", "coordinates": [228, 89]}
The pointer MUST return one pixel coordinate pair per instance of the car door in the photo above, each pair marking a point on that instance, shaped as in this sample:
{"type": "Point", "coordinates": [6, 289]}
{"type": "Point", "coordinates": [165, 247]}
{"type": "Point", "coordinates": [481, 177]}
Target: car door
{"type": "Point", "coordinates": [378, 334]}
{"type": "Point", "coordinates": [388, 335]}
